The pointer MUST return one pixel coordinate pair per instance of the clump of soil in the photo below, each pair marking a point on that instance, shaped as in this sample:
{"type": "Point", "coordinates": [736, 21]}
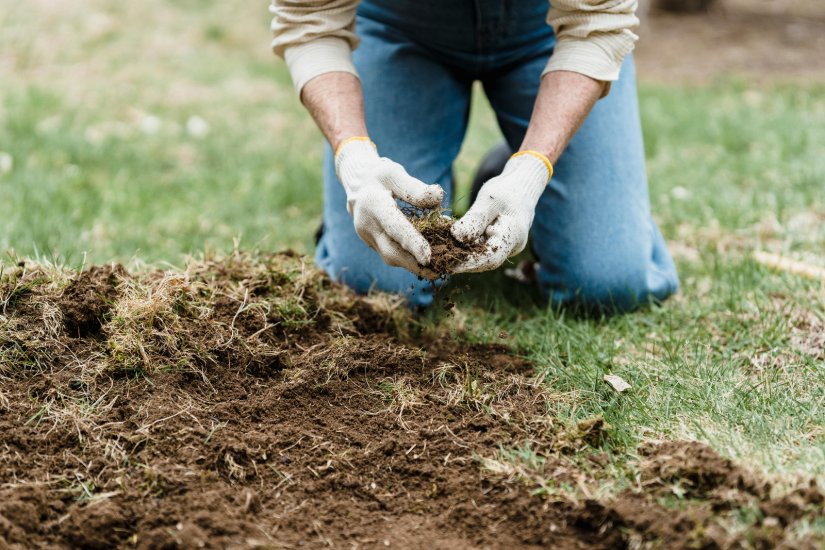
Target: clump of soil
{"type": "Point", "coordinates": [447, 251]}
{"type": "Point", "coordinates": [707, 492]}
{"type": "Point", "coordinates": [88, 299]}
{"type": "Point", "coordinates": [248, 401]}
{"type": "Point", "coordinates": [698, 469]}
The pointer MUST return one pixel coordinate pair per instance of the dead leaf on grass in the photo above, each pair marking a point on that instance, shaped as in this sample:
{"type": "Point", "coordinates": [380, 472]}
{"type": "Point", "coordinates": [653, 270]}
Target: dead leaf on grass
{"type": "Point", "coordinates": [617, 383]}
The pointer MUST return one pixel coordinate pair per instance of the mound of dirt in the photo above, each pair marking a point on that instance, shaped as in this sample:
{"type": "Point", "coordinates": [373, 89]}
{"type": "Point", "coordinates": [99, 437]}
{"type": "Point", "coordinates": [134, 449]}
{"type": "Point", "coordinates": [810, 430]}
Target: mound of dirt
{"type": "Point", "coordinates": [88, 299]}
{"type": "Point", "coordinates": [698, 469]}
{"type": "Point", "coordinates": [250, 402]}
{"type": "Point", "coordinates": [447, 251]}
{"type": "Point", "coordinates": [692, 495]}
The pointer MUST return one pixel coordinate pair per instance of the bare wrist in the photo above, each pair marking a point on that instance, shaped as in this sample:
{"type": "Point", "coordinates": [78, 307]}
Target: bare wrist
{"type": "Point", "coordinates": [564, 101]}
{"type": "Point", "coordinates": [336, 102]}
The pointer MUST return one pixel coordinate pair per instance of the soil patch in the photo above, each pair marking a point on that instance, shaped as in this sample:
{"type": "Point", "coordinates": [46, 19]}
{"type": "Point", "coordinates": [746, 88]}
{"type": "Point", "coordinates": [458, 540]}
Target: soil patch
{"type": "Point", "coordinates": [249, 402]}
{"type": "Point", "coordinates": [763, 41]}
{"type": "Point", "coordinates": [87, 300]}
{"type": "Point", "coordinates": [447, 251]}
{"type": "Point", "coordinates": [698, 469]}
{"type": "Point", "coordinates": [689, 487]}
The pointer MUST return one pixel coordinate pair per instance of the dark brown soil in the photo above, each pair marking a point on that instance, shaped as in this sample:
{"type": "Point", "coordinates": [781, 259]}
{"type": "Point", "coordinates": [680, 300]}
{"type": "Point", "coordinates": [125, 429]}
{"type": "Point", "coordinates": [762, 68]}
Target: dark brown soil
{"type": "Point", "coordinates": [447, 251]}
{"type": "Point", "coordinates": [87, 300]}
{"type": "Point", "coordinates": [698, 469]}
{"type": "Point", "coordinates": [692, 473]}
{"type": "Point", "coordinates": [250, 402]}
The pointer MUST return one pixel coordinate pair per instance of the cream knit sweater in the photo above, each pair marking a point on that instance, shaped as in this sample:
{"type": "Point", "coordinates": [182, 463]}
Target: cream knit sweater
{"type": "Point", "coordinates": [318, 36]}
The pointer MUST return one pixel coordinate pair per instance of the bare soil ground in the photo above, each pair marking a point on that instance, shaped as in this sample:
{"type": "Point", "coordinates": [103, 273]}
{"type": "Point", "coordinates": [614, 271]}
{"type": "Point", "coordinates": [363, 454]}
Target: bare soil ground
{"type": "Point", "coordinates": [248, 402]}
{"type": "Point", "coordinates": [762, 40]}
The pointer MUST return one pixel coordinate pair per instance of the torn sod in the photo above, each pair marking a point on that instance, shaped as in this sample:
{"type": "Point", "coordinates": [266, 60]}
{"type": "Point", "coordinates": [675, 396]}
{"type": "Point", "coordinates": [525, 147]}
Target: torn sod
{"type": "Point", "coordinates": [246, 398]}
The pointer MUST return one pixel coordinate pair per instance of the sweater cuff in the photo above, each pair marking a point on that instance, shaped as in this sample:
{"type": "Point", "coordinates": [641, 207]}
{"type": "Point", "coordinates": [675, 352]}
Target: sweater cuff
{"type": "Point", "coordinates": [599, 57]}
{"type": "Point", "coordinates": [327, 54]}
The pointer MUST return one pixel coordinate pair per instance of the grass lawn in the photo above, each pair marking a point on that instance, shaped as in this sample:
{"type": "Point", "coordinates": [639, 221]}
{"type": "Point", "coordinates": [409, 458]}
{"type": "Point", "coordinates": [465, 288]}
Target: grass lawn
{"type": "Point", "coordinates": [169, 130]}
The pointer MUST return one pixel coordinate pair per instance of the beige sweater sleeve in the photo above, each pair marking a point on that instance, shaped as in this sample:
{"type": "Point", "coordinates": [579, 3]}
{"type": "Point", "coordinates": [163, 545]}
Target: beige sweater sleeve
{"type": "Point", "coordinates": [592, 36]}
{"type": "Point", "coordinates": [314, 37]}
{"type": "Point", "coordinates": [318, 36]}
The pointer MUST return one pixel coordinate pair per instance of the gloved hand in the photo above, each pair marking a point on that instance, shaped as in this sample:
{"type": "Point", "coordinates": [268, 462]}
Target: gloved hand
{"type": "Point", "coordinates": [503, 211]}
{"type": "Point", "coordinates": [372, 184]}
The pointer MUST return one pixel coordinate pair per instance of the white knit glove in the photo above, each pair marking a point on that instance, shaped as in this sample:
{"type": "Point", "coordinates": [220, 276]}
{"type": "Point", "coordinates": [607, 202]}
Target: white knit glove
{"type": "Point", "coordinates": [372, 184]}
{"type": "Point", "coordinates": [503, 211]}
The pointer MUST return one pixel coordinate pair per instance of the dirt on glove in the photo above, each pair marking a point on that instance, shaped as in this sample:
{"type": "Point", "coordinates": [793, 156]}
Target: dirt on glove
{"type": "Point", "coordinates": [447, 251]}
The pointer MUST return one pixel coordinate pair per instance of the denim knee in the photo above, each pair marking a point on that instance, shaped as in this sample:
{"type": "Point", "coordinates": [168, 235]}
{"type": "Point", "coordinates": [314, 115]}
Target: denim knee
{"type": "Point", "coordinates": [617, 286]}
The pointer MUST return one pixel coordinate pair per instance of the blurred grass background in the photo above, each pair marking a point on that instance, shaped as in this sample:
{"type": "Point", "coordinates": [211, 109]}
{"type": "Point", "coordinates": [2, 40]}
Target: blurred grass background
{"type": "Point", "coordinates": [145, 132]}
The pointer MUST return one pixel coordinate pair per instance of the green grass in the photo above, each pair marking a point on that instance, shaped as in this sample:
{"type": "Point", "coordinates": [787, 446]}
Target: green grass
{"type": "Point", "coordinates": [105, 169]}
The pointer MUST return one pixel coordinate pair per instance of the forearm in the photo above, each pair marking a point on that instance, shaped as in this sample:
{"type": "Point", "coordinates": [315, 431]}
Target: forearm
{"type": "Point", "coordinates": [336, 102]}
{"type": "Point", "coordinates": [563, 102]}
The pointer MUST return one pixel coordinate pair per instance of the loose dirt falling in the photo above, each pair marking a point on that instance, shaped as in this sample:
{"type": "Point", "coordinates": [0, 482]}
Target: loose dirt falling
{"type": "Point", "coordinates": [447, 251]}
{"type": "Point", "coordinates": [249, 402]}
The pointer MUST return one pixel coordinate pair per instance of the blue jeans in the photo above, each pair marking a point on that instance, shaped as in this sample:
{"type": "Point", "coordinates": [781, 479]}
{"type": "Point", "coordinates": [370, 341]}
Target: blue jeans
{"type": "Point", "coordinates": [593, 234]}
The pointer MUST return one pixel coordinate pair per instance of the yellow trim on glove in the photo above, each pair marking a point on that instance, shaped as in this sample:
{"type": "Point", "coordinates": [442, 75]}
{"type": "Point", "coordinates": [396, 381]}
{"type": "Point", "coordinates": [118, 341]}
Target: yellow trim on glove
{"type": "Point", "coordinates": [539, 156]}
{"type": "Point", "coordinates": [351, 139]}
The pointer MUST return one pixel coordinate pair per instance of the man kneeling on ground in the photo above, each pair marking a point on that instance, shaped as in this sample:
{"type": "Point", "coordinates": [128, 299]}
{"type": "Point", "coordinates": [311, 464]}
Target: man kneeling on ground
{"type": "Point", "coordinates": [562, 84]}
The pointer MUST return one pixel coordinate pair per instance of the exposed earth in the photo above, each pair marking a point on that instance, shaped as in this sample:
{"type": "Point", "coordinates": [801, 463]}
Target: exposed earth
{"type": "Point", "coordinates": [761, 40]}
{"type": "Point", "coordinates": [250, 402]}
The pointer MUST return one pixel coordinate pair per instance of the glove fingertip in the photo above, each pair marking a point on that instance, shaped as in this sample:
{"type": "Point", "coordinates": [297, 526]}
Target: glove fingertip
{"type": "Point", "coordinates": [430, 197]}
{"type": "Point", "coordinates": [423, 254]}
{"type": "Point", "coordinates": [463, 230]}
{"type": "Point", "coordinates": [419, 248]}
{"type": "Point", "coordinates": [466, 267]}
